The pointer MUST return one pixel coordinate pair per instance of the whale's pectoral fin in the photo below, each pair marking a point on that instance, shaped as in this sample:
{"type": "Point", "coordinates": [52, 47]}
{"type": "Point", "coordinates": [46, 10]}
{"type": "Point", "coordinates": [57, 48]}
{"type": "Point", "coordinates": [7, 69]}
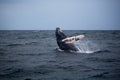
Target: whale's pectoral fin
{"type": "Point", "coordinates": [72, 39]}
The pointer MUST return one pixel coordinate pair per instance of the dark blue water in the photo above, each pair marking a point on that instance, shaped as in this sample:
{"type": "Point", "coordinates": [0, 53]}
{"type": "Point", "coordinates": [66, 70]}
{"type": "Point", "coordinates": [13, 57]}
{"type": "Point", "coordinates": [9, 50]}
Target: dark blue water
{"type": "Point", "coordinates": [32, 55]}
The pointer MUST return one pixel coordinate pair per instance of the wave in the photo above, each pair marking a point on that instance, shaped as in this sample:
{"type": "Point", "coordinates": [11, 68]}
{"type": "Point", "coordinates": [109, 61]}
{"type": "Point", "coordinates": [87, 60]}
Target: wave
{"type": "Point", "coordinates": [2, 51]}
{"type": "Point", "coordinates": [22, 37]}
{"type": "Point", "coordinates": [105, 60]}
{"type": "Point", "coordinates": [14, 45]}
{"type": "Point", "coordinates": [43, 69]}
{"type": "Point", "coordinates": [101, 75]}
{"type": "Point", "coordinates": [9, 71]}
{"type": "Point", "coordinates": [101, 51]}
{"type": "Point", "coordinates": [31, 43]}
{"type": "Point", "coordinates": [31, 54]}
{"type": "Point", "coordinates": [7, 60]}
{"type": "Point", "coordinates": [22, 44]}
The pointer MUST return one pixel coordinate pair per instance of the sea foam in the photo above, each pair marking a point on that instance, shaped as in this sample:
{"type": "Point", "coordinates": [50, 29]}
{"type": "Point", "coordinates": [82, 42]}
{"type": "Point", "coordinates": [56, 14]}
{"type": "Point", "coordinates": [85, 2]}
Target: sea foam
{"type": "Point", "coordinates": [86, 46]}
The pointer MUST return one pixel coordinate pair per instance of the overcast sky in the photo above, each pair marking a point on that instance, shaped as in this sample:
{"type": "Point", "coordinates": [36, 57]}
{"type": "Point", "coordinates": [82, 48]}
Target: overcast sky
{"type": "Point", "coordinates": [67, 14]}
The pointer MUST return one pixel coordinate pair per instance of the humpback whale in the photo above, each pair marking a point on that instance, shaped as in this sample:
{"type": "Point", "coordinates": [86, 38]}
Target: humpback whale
{"type": "Point", "coordinates": [66, 43]}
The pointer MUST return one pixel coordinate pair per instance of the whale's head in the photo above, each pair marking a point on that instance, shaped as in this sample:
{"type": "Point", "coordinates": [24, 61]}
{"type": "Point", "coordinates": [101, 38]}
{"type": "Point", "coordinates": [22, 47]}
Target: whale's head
{"type": "Point", "coordinates": [58, 30]}
{"type": "Point", "coordinates": [59, 34]}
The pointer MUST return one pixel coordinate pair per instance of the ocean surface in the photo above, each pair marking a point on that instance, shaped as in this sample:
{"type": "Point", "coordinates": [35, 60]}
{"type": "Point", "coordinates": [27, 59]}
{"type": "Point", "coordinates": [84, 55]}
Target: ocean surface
{"type": "Point", "coordinates": [32, 55]}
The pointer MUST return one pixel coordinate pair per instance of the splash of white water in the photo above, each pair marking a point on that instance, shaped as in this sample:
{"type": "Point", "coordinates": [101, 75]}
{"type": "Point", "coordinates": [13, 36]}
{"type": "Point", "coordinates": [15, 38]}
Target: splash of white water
{"type": "Point", "coordinates": [86, 46]}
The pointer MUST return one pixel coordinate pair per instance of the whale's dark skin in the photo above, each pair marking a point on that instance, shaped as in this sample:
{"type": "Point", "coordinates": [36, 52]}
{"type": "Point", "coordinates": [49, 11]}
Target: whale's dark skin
{"type": "Point", "coordinates": [62, 45]}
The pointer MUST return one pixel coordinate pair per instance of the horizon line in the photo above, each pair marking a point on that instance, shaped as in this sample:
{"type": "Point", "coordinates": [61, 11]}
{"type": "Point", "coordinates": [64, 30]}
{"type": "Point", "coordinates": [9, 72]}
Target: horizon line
{"type": "Point", "coordinates": [62, 29]}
